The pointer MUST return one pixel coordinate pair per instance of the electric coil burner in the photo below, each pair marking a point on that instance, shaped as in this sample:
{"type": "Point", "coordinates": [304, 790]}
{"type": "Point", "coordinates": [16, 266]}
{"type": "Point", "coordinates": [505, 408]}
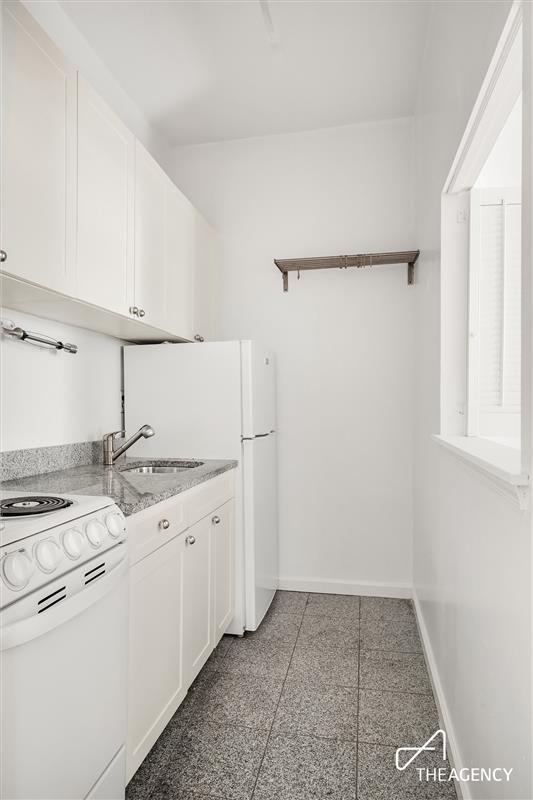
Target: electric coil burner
{"type": "Point", "coordinates": [31, 505]}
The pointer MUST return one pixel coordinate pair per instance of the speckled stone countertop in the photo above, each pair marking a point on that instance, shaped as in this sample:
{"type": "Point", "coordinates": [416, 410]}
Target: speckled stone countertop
{"type": "Point", "coordinates": [131, 491]}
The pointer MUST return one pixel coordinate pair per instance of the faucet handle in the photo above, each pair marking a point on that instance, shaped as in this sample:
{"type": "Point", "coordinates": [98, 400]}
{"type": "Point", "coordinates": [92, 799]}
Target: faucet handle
{"type": "Point", "coordinates": [108, 447]}
{"type": "Point", "coordinates": [113, 434]}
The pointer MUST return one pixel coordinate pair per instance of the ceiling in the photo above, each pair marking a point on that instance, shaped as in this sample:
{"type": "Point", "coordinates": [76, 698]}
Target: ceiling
{"type": "Point", "coordinates": [208, 71]}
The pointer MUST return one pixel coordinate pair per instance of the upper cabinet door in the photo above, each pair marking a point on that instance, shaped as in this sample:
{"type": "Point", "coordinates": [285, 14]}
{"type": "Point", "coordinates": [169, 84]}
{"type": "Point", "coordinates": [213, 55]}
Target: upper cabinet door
{"type": "Point", "coordinates": [106, 161]}
{"type": "Point", "coordinates": [38, 154]}
{"type": "Point", "coordinates": [179, 263]}
{"type": "Point", "coordinates": [150, 226]}
{"type": "Point", "coordinates": [204, 267]}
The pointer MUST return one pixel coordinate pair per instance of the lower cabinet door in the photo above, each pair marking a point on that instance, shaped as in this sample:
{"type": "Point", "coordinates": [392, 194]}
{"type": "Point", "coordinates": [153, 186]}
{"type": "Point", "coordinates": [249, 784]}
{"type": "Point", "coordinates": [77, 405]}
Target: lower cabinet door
{"type": "Point", "coordinates": [197, 597]}
{"type": "Point", "coordinates": [157, 682]}
{"type": "Point", "coordinates": [222, 533]}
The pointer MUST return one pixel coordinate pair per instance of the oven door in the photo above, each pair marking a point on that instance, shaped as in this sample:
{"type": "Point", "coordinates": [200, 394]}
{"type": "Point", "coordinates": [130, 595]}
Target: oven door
{"type": "Point", "coordinates": [63, 678]}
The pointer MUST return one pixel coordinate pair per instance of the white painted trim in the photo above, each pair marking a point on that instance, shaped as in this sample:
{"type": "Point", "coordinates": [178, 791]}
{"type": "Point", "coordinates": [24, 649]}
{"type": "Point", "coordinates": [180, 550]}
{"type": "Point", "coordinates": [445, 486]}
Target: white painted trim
{"type": "Point", "coordinates": [492, 461]}
{"type": "Point", "coordinates": [498, 93]}
{"type": "Point", "coordinates": [363, 588]}
{"type": "Point", "coordinates": [527, 242]}
{"type": "Point", "coordinates": [445, 717]}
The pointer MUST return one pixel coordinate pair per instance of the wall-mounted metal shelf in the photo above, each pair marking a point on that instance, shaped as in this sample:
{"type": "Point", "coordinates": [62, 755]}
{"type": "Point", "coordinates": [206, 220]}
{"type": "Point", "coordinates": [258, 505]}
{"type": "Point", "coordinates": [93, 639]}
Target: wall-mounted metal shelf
{"type": "Point", "coordinates": [359, 261]}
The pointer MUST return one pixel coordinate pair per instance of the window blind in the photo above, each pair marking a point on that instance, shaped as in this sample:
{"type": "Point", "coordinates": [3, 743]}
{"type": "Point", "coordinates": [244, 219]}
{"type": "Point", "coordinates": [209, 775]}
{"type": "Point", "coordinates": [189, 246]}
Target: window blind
{"type": "Point", "coordinates": [494, 310]}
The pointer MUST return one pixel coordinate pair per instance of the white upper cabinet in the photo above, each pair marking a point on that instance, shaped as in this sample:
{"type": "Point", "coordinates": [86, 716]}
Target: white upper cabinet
{"type": "Point", "coordinates": [39, 154]}
{"type": "Point", "coordinates": [204, 267]}
{"type": "Point", "coordinates": [179, 262]}
{"type": "Point", "coordinates": [150, 238]}
{"type": "Point", "coordinates": [106, 164]}
{"type": "Point", "coordinates": [85, 211]}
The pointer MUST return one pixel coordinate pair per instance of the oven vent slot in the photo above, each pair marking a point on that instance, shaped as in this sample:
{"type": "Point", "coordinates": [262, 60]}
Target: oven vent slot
{"type": "Point", "coordinates": [51, 599]}
{"type": "Point", "coordinates": [95, 572]}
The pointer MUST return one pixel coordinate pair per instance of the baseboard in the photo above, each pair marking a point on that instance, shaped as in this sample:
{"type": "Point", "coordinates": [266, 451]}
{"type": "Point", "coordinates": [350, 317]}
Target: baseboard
{"type": "Point", "coordinates": [454, 756]}
{"type": "Point", "coordinates": [346, 587]}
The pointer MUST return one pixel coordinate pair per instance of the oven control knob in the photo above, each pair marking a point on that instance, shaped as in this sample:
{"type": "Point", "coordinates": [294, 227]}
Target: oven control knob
{"type": "Point", "coordinates": [95, 532]}
{"type": "Point", "coordinates": [48, 555]}
{"type": "Point", "coordinates": [17, 569]}
{"type": "Point", "coordinates": [115, 524]}
{"type": "Point", "coordinates": [74, 543]}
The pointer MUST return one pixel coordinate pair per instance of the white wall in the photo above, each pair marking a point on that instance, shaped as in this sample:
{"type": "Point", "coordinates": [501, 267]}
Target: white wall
{"type": "Point", "coordinates": [343, 339]}
{"type": "Point", "coordinates": [472, 553]}
{"type": "Point", "coordinates": [50, 397]}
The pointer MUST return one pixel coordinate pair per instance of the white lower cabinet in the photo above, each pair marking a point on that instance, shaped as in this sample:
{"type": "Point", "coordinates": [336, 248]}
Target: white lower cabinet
{"type": "Point", "coordinates": [181, 603]}
{"type": "Point", "coordinates": [198, 597]}
{"type": "Point", "coordinates": [222, 548]}
{"type": "Point", "coordinates": [156, 680]}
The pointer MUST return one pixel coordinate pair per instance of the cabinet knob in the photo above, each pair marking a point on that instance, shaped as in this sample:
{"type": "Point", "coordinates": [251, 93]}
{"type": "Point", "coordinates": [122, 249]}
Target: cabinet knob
{"type": "Point", "coordinates": [198, 338]}
{"type": "Point", "coordinates": [164, 524]}
{"type": "Point", "coordinates": [3, 256]}
{"type": "Point", "coordinates": [215, 520]}
{"type": "Point", "coordinates": [134, 310]}
{"type": "Point", "coordinates": [190, 540]}
{"type": "Point", "coordinates": [142, 312]}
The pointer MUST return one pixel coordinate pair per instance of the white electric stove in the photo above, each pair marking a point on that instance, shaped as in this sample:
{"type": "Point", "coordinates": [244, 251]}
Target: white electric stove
{"type": "Point", "coordinates": [63, 647]}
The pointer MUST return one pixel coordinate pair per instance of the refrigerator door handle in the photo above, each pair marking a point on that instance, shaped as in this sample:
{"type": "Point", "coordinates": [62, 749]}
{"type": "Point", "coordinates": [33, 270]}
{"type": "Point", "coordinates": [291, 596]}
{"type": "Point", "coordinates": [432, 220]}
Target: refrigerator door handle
{"type": "Point", "coordinates": [257, 436]}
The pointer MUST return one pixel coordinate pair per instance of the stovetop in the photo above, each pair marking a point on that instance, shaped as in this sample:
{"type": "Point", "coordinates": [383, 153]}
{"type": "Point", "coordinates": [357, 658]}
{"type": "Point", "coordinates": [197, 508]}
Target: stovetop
{"type": "Point", "coordinates": [31, 505]}
{"type": "Point", "coordinates": [43, 512]}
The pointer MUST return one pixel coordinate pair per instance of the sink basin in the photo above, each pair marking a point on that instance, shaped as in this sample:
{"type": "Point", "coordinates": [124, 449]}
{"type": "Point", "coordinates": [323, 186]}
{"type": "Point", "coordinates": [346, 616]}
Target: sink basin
{"type": "Point", "coordinates": [163, 469]}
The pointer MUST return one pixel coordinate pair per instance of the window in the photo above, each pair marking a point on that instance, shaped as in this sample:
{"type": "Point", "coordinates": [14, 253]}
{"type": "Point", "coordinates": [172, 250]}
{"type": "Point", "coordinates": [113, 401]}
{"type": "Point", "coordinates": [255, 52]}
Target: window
{"type": "Point", "coordinates": [494, 291]}
{"type": "Point", "coordinates": [481, 326]}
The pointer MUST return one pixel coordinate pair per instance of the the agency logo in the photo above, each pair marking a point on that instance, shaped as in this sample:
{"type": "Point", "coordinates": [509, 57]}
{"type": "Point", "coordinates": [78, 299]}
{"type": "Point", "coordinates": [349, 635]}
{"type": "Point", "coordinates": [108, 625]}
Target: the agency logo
{"type": "Point", "coordinates": [437, 743]}
{"type": "Point", "coordinates": [415, 751]}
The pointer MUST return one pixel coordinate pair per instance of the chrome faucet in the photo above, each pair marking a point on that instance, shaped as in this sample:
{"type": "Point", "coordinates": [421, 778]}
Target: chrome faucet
{"type": "Point", "coordinates": [111, 455]}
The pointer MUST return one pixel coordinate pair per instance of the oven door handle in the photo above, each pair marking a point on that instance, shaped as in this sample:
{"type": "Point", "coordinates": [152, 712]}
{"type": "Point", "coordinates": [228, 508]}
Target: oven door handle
{"type": "Point", "coordinates": [25, 630]}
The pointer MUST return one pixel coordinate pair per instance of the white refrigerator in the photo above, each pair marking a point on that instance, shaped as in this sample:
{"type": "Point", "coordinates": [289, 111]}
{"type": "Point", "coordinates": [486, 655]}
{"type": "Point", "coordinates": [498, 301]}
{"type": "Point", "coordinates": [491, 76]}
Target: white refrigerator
{"type": "Point", "coordinates": [216, 400]}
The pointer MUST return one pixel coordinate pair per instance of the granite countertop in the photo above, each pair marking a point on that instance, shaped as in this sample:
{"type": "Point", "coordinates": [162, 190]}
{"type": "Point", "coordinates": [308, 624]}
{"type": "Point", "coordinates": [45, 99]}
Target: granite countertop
{"type": "Point", "coordinates": [131, 491]}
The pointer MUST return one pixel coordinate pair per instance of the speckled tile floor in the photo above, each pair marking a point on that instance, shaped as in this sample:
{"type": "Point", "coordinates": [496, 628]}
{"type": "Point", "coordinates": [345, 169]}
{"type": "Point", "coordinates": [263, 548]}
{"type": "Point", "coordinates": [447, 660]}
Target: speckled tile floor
{"type": "Point", "coordinates": [312, 706]}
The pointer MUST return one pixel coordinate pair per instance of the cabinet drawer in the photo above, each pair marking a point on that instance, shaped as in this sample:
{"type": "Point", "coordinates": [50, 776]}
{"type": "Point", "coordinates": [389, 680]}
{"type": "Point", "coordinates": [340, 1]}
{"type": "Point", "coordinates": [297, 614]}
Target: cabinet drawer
{"type": "Point", "coordinates": [148, 529]}
{"type": "Point", "coordinates": [203, 499]}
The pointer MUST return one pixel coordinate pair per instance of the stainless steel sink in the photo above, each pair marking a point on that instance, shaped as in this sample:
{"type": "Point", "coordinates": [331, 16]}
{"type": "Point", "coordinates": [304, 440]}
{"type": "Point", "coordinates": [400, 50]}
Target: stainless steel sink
{"type": "Point", "coordinates": [163, 469]}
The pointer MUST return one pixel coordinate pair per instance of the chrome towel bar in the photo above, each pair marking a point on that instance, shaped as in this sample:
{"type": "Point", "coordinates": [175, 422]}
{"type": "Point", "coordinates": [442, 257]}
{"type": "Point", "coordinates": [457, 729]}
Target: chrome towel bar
{"type": "Point", "coordinates": [40, 339]}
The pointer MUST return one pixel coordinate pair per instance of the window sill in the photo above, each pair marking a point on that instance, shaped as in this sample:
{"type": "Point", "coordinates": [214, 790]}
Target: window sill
{"type": "Point", "coordinates": [499, 463]}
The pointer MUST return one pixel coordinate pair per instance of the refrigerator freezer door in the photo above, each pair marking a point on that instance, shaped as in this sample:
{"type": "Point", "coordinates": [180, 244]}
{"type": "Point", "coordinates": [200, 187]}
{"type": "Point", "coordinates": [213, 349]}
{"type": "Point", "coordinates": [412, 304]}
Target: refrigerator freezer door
{"type": "Point", "coordinates": [190, 394]}
{"type": "Point", "coordinates": [259, 390]}
{"type": "Point", "coordinates": [261, 525]}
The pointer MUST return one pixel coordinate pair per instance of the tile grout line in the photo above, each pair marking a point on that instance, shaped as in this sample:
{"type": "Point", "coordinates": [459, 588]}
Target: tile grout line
{"type": "Point", "coordinates": [279, 700]}
{"type": "Point", "coordinates": [395, 691]}
{"type": "Point", "coordinates": [398, 652]}
{"type": "Point", "coordinates": [151, 795]}
{"type": "Point", "coordinates": [378, 689]}
{"type": "Point", "coordinates": [343, 619]}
